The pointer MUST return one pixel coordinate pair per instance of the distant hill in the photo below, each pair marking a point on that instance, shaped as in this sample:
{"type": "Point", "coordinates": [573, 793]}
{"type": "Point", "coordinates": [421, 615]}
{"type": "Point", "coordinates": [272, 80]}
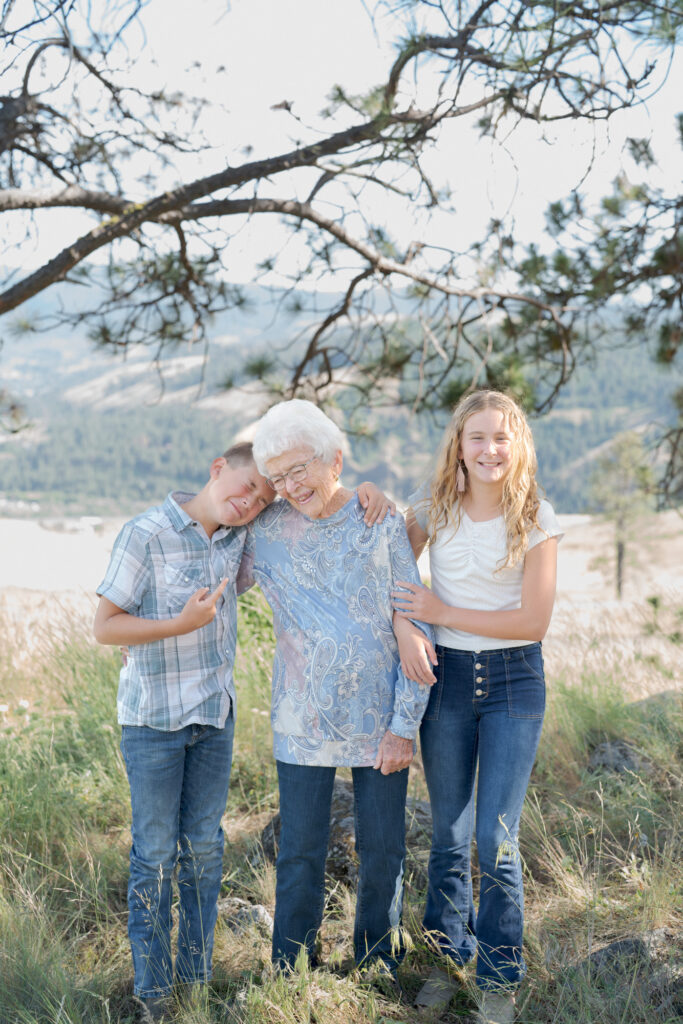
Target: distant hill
{"type": "Point", "coordinates": [111, 434]}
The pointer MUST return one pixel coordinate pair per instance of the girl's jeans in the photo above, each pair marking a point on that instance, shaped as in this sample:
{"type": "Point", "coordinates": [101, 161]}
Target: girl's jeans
{"type": "Point", "coordinates": [485, 708]}
{"type": "Point", "coordinates": [178, 788]}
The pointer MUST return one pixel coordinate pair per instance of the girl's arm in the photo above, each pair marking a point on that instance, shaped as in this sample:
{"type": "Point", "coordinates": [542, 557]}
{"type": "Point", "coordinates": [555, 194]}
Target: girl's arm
{"type": "Point", "coordinates": [529, 622]}
{"type": "Point", "coordinates": [416, 535]}
{"type": "Point", "coordinates": [415, 651]}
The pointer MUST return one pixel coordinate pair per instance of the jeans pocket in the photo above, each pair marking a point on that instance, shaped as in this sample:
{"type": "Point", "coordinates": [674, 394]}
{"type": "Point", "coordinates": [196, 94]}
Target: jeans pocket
{"type": "Point", "coordinates": [434, 704]}
{"type": "Point", "coordinates": [526, 682]}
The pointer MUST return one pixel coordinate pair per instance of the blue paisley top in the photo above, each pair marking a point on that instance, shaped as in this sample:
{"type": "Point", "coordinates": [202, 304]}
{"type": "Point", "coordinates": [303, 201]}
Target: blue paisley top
{"type": "Point", "coordinates": [337, 679]}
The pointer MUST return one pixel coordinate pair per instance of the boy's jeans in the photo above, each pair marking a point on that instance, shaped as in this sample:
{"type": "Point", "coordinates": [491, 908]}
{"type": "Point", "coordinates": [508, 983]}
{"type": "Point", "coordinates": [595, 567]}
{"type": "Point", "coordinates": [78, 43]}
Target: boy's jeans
{"type": "Point", "coordinates": [179, 788]}
{"type": "Point", "coordinates": [485, 708]}
{"type": "Point", "coordinates": [379, 810]}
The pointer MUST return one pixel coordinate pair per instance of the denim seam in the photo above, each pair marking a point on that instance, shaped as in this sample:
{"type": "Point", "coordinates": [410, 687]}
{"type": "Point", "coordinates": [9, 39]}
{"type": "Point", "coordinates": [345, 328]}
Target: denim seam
{"type": "Point", "coordinates": [432, 714]}
{"type": "Point", "coordinates": [538, 675]}
{"type": "Point", "coordinates": [359, 840]}
{"type": "Point", "coordinates": [509, 685]}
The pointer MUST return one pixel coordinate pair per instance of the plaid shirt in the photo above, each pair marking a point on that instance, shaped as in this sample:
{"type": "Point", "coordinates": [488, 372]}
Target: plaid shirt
{"type": "Point", "coordinates": [159, 560]}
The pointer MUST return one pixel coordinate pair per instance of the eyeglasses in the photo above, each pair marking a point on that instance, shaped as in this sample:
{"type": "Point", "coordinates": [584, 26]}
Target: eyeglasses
{"type": "Point", "coordinates": [296, 473]}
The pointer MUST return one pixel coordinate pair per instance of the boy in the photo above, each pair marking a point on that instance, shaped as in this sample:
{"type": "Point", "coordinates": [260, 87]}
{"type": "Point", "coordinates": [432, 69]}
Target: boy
{"type": "Point", "coordinates": [169, 594]}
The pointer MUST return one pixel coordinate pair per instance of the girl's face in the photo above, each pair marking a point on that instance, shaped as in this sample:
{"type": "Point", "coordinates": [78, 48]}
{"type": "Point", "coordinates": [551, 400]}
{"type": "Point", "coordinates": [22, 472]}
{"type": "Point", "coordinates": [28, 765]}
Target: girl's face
{"type": "Point", "coordinates": [486, 446]}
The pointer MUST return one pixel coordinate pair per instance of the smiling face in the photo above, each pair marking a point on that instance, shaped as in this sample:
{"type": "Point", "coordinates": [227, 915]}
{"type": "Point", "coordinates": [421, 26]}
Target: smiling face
{"type": "Point", "coordinates": [486, 447]}
{"type": "Point", "coordinates": [237, 493]}
{"type": "Point", "coordinates": [314, 493]}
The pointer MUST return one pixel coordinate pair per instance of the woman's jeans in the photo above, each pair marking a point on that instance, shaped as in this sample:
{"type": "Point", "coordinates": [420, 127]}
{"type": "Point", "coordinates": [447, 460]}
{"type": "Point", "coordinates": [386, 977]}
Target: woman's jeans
{"type": "Point", "coordinates": [178, 788]}
{"type": "Point", "coordinates": [486, 707]}
{"type": "Point", "coordinates": [379, 811]}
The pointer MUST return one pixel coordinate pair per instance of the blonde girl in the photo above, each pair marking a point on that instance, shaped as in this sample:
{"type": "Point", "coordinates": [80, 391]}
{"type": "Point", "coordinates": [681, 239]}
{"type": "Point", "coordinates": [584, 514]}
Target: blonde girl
{"type": "Point", "coordinates": [493, 557]}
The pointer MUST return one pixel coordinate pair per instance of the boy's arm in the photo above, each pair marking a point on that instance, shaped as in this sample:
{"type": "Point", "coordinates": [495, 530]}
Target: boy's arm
{"type": "Point", "coordinates": [115, 626]}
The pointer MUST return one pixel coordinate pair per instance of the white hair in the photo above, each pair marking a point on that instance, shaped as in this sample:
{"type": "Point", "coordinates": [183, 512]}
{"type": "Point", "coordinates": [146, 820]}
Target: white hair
{"type": "Point", "coordinates": [293, 423]}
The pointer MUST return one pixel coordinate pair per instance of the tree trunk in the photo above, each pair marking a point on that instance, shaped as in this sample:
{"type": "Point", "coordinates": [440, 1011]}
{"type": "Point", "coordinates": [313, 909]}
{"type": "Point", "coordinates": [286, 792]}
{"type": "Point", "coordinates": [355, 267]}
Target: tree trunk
{"type": "Point", "coordinates": [620, 567]}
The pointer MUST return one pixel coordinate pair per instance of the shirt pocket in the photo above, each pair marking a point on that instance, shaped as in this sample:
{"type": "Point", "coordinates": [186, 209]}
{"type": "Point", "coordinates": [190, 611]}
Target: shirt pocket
{"type": "Point", "coordinates": [181, 582]}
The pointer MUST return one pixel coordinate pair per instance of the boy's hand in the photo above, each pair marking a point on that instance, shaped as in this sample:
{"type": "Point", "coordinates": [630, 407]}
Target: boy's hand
{"type": "Point", "coordinates": [375, 503]}
{"type": "Point", "coordinates": [200, 609]}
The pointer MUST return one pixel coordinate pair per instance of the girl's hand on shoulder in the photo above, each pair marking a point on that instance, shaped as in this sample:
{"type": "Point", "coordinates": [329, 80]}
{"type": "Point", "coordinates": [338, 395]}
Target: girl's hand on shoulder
{"type": "Point", "coordinates": [375, 503]}
{"type": "Point", "coordinates": [418, 602]}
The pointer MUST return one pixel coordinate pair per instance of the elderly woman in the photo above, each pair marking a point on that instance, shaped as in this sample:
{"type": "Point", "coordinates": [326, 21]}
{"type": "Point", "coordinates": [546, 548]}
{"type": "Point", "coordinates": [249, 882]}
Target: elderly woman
{"type": "Point", "coordinates": [340, 696]}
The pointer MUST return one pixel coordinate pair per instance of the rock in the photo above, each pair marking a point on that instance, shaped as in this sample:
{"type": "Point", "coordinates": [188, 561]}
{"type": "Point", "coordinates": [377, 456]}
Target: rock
{"type": "Point", "coordinates": [418, 822]}
{"type": "Point", "coordinates": [239, 915]}
{"type": "Point", "coordinates": [619, 957]}
{"type": "Point", "coordinates": [648, 966]}
{"type": "Point", "coordinates": [617, 756]}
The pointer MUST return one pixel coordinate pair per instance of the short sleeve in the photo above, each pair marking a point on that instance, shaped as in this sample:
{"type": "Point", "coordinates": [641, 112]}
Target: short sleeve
{"type": "Point", "coordinates": [549, 526]}
{"type": "Point", "coordinates": [410, 698]}
{"type": "Point", "coordinates": [419, 502]}
{"type": "Point", "coordinates": [245, 575]}
{"type": "Point", "coordinates": [128, 577]}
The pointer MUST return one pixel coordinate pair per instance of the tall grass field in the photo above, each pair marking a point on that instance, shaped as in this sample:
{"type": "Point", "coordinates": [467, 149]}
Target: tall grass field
{"type": "Point", "coordinates": [601, 838]}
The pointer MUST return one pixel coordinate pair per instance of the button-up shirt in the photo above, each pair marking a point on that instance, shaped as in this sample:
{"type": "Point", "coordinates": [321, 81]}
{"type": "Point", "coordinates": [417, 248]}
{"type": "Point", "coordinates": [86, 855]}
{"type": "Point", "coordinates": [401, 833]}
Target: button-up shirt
{"type": "Point", "coordinates": [160, 558]}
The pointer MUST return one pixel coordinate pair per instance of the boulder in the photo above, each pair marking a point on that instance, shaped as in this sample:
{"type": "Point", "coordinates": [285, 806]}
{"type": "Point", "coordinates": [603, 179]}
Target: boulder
{"type": "Point", "coordinates": [240, 914]}
{"type": "Point", "coordinates": [618, 756]}
{"type": "Point", "coordinates": [648, 966]}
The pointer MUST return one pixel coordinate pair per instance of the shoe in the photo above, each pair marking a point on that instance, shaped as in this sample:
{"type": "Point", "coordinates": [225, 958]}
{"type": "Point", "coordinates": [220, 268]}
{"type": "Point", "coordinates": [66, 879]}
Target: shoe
{"type": "Point", "coordinates": [437, 991]}
{"type": "Point", "coordinates": [153, 1010]}
{"type": "Point", "coordinates": [384, 981]}
{"type": "Point", "coordinates": [496, 1008]}
{"type": "Point", "coordinates": [390, 987]}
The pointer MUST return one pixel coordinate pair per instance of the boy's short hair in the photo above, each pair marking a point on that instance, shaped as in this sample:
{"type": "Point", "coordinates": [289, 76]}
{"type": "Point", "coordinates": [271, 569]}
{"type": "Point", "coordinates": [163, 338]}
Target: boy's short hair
{"type": "Point", "coordinates": [240, 454]}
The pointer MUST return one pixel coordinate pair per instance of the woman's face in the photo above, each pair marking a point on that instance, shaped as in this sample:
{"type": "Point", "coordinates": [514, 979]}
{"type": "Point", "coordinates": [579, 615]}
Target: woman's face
{"type": "Point", "coordinates": [313, 493]}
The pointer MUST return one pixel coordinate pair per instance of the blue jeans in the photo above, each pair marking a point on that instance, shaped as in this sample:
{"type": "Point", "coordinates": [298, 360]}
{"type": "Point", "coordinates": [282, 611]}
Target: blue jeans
{"type": "Point", "coordinates": [485, 708]}
{"type": "Point", "coordinates": [379, 811]}
{"type": "Point", "coordinates": [178, 788]}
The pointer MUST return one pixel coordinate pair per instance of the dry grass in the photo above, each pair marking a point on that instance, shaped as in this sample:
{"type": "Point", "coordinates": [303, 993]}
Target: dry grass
{"type": "Point", "coordinates": [603, 849]}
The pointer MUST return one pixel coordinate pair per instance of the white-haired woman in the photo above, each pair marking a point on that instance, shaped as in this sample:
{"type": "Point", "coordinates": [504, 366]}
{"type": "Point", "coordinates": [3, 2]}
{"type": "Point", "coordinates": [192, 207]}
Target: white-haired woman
{"type": "Point", "coordinates": [340, 695]}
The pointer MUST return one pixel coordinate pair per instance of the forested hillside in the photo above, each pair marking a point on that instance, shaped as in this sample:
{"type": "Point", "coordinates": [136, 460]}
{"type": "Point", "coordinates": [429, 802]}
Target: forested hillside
{"type": "Point", "coordinates": [108, 438]}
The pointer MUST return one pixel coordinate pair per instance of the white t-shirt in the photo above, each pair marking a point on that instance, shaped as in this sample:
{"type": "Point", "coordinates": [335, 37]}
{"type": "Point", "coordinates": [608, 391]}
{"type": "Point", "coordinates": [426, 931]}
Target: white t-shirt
{"type": "Point", "coordinates": [463, 566]}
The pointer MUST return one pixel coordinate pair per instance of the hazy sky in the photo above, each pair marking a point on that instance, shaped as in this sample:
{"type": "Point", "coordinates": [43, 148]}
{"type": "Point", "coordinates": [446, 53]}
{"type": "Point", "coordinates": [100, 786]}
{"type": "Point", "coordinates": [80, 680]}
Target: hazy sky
{"type": "Point", "coordinates": [247, 55]}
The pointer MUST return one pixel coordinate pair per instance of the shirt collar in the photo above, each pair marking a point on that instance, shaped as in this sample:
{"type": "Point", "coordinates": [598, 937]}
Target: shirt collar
{"type": "Point", "coordinates": [179, 518]}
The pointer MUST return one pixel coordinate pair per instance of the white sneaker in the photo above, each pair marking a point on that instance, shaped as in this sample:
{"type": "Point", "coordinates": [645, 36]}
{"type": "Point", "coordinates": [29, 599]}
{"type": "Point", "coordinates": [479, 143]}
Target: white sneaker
{"type": "Point", "coordinates": [496, 1008]}
{"type": "Point", "coordinates": [437, 991]}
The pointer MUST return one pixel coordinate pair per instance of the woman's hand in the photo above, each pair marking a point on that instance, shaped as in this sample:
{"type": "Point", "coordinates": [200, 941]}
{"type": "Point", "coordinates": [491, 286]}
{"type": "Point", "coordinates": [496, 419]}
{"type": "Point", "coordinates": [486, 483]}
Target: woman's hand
{"type": "Point", "coordinates": [375, 503]}
{"type": "Point", "coordinates": [416, 653]}
{"type": "Point", "coordinates": [395, 753]}
{"type": "Point", "coordinates": [419, 603]}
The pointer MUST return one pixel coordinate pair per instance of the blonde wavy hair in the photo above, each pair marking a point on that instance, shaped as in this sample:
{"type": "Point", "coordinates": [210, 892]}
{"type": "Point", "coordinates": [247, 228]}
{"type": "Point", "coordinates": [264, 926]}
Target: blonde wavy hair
{"type": "Point", "coordinates": [520, 501]}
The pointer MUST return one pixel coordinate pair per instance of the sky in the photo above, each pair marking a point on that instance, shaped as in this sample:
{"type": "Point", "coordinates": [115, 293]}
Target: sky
{"type": "Point", "coordinates": [250, 55]}
{"type": "Point", "coordinates": [296, 50]}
